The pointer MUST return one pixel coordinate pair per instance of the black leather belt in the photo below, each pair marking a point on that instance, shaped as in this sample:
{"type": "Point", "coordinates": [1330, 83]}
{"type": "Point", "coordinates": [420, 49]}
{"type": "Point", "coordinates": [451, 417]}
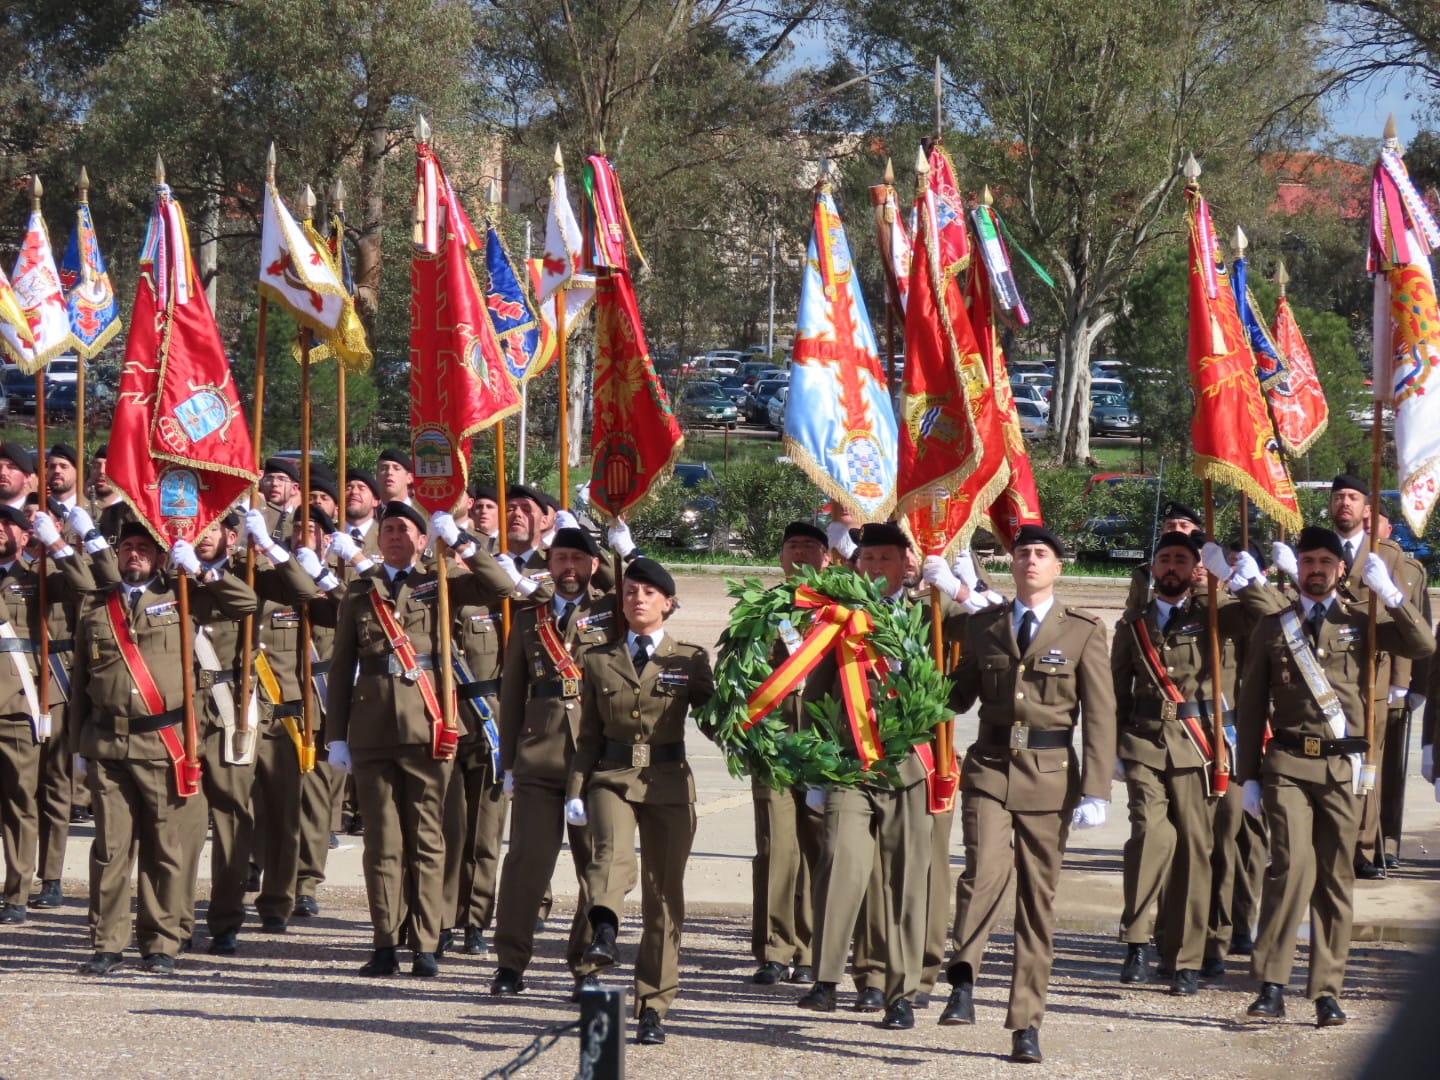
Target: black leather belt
{"type": "Point", "coordinates": [28, 645]}
{"type": "Point", "coordinates": [320, 667]}
{"type": "Point", "coordinates": [477, 689]}
{"type": "Point", "coordinates": [638, 755]}
{"type": "Point", "coordinates": [1019, 737]}
{"type": "Point", "coordinates": [140, 725]}
{"type": "Point", "coordinates": [389, 664]}
{"type": "Point", "coordinates": [206, 678]}
{"type": "Point", "coordinates": [561, 688]}
{"type": "Point", "coordinates": [287, 708]}
{"type": "Point", "coordinates": [1183, 710]}
{"type": "Point", "coordinates": [1314, 747]}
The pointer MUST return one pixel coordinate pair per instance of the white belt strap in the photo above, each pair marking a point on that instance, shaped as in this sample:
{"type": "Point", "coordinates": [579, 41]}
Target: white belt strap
{"type": "Point", "coordinates": [39, 724]}
{"type": "Point", "coordinates": [1319, 686]}
{"type": "Point", "coordinates": [243, 751]}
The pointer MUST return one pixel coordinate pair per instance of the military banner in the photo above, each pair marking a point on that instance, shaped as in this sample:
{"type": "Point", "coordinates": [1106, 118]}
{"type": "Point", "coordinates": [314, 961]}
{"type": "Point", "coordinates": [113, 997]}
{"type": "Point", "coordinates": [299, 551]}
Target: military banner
{"type": "Point", "coordinates": [13, 324]}
{"type": "Point", "coordinates": [90, 299]}
{"type": "Point", "coordinates": [894, 242]}
{"type": "Point", "coordinates": [36, 283]}
{"type": "Point", "coordinates": [508, 305]}
{"type": "Point", "coordinates": [560, 267]}
{"type": "Point", "coordinates": [1297, 402]}
{"type": "Point", "coordinates": [347, 342]}
{"type": "Point", "coordinates": [293, 272]}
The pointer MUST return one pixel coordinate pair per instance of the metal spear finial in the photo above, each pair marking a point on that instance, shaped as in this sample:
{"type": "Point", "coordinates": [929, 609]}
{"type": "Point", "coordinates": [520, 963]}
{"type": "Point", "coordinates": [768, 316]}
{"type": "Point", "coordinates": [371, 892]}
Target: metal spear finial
{"type": "Point", "coordinates": [1191, 169]}
{"type": "Point", "coordinates": [37, 189]}
{"type": "Point", "coordinates": [84, 186]}
{"type": "Point", "coordinates": [1282, 276]}
{"type": "Point", "coordinates": [1241, 242]}
{"type": "Point", "coordinates": [422, 129]}
{"type": "Point", "coordinates": [337, 195]}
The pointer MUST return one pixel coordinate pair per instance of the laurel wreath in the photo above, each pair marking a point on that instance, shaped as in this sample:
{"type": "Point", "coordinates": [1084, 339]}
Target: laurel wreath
{"type": "Point", "coordinates": [912, 698]}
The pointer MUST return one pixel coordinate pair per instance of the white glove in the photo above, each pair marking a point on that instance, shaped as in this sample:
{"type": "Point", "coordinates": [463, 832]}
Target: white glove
{"type": "Point", "coordinates": [575, 813]}
{"type": "Point", "coordinates": [44, 530]}
{"type": "Point", "coordinates": [184, 558]}
{"type": "Point", "coordinates": [1119, 774]}
{"type": "Point", "coordinates": [443, 527]}
{"type": "Point", "coordinates": [619, 538]}
{"type": "Point", "coordinates": [507, 783]}
{"type": "Point", "coordinates": [1213, 556]}
{"type": "Point", "coordinates": [257, 530]}
{"type": "Point", "coordinates": [1090, 814]}
{"type": "Point", "coordinates": [80, 522]}
{"type": "Point", "coordinates": [564, 519]}
{"type": "Point", "coordinates": [937, 575]}
{"type": "Point", "coordinates": [1377, 579]}
{"type": "Point", "coordinates": [1427, 762]}
{"type": "Point", "coordinates": [1398, 694]}
{"type": "Point", "coordinates": [838, 534]}
{"type": "Point", "coordinates": [1253, 804]}
{"type": "Point", "coordinates": [78, 766]}
{"type": "Point", "coordinates": [964, 568]}
{"type": "Point", "coordinates": [815, 799]}
{"type": "Point", "coordinates": [339, 751]}
{"type": "Point", "coordinates": [309, 562]}
{"type": "Point", "coordinates": [1283, 556]}
{"type": "Point", "coordinates": [523, 585]}
{"type": "Point", "coordinates": [1246, 570]}
{"type": "Point", "coordinates": [343, 546]}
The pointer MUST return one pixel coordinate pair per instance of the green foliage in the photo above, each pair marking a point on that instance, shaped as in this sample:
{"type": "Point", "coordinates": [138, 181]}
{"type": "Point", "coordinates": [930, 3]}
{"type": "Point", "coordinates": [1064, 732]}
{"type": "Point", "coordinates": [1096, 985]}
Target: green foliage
{"type": "Point", "coordinates": [759, 499]}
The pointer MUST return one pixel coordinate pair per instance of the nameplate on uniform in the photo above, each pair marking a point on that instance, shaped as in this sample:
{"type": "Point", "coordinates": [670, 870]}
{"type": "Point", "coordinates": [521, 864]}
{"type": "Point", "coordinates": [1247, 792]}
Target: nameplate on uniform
{"type": "Point", "coordinates": [541, 577]}
{"type": "Point", "coordinates": [674, 679]}
{"type": "Point", "coordinates": [165, 607]}
{"type": "Point", "coordinates": [1054, 656]}
{"type": "Point", "coordinates": [27, 591]}
{"type": "Point", "coordinates": [1191, 628]}
{"type": "Point", "coordinates": [287, 617]}
{"type": "Point", "coordinates": [420, 592]}
{"type": "Point", "coordinates": [1348, 634]}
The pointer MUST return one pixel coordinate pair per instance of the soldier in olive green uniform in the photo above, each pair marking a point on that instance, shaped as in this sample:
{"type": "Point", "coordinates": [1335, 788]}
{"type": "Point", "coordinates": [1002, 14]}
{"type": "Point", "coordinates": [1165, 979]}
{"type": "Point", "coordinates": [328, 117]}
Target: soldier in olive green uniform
{"type": "Point", "coordinates": [1306, 662]}
{"type": "Point", "coordinates": [133, 787]}
{"type": "Point", "coordinates": [1035, 667]}
{"type": "Point", "coordinates": [378, 715]}
{"type": "Point", "coordinates": [629, 773]}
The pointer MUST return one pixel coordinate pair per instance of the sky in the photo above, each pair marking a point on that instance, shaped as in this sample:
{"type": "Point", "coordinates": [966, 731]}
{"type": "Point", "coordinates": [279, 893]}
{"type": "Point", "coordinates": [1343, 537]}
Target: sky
{"type": "Point", "coordinates": [1363, 113]}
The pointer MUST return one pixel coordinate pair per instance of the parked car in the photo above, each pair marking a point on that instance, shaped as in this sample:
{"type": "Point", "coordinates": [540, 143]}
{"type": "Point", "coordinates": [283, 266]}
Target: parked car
{"type": "Point", "coordinates": [775, 411]}
{"type": "Point", "coordinates": [752, 371]}
{"type": "Point", "coordinates": [20, 388]}
{"type": "Point", "coordinates": [733, 386]}
{"type": "Point", "coordinates": [1106, 388]}
{"type": "Point", "coordinates": [1043, 381]}
{"type": "Point", "coordinates": [1031, 393]}
{"type": "Point", "coordinates": [724, 361]}
{"type": "Point", "coordinates": [757, 401]}
{"type": "Point", "coordinates": [1111, 537]}
{"type": "Point", "coordinates": [1402, 534]}
{"type": "Point", "coordinates": [697, 516]}
{"type": "Point", "coordinates": [1033, 424]}
{"type": "Point", "coordinates": [4, 404]}
{"type": "Point", "coordinates": [1031, 367]}
{"type": "Point", "coordinates": [1112, 415]}
{"type": "Point", "coordinates": [60, 399]}
{"type": "Point", "coordinates": [63, 369]}
{"type": "Point", "coordinates": [706, 403]}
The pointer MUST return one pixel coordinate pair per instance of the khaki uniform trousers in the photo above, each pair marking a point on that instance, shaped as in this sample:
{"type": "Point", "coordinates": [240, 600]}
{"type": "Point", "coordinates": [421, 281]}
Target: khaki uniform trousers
{"type": "Point", "coordinates": [56, 793]}
{"type": "Point", "coordinates": [666, 832]}
{"type": "Point", "coordinates": [402, 795]}
{"type": "Point", "coordinates": [320, 793]}
{"type": "Point", "coordinates": [942, 888]}
{"type": "Point", "coordinates": [277, 789]}
{"type": "Point", "coordinates": [475, 807]}
{"type": "Point", "coordinates": [227, 791]}
{"type": "Point", "coordinates": [990, 862]}
{"type": "Point", "coordinates": [1167, 860]}
{"type": "Point", "coordinates": [1368, 844]}
{"type": "Point", "coordinates": [537, 826]}
{"type": "Point", "coordinates": [867, 958]}
{"type": "Point", "coordinates": [787, 844]}
{"type": "Point", "coordinates": [1312, 848]}
{"type": "Point", "coordinates": [1237, 868]}
{"type": "Point", "coordinates": [859, 822]}
{"type": "Point", "coordinates": [1390, 778]}
{"type": "Point", "coordinates": [139, 817]}
{"type": "Point", "coordinates": [19, 780]}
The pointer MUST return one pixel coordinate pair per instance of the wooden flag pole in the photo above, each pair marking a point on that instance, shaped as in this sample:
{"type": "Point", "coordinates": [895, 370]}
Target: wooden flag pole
{"type": "Point", "coordinates": [500, 504]}
{"type": "Point", "coordinates": [1217, 737]}
{"type": "Point", "coordinates": [41, 601]}
{"type": "Point", "coordinates": [187, 678]}
{"type": "Point", "coordinates": [81, 357]}
{"type": "Point", "coordinates": [307, 668]}
{"type": "Point", "coordinates": [562, 371]}
{"type": "Point", "coordinates": [1372, 543]}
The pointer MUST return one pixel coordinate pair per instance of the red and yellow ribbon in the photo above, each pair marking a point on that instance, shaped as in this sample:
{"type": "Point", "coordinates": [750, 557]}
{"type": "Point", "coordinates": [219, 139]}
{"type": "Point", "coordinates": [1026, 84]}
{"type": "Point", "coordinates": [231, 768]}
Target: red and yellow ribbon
{"type": "Point", "coordinates": [849, 630]}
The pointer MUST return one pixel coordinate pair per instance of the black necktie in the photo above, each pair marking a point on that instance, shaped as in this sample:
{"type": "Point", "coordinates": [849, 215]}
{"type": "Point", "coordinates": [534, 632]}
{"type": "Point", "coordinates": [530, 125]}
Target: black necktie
{"type": "Point", "coordinates": [135, 595]}
{"type": "Point", "coordinates": [567, 608]}
{"type": "Point", "coordinates": [642, 652]}
{"type": "Point", "coordinates": [1027, 631]}
{"type": "Point", "coordinates": [1314, 622]}
{"type": "Point", "coordinates": [396, 581]}
{"type": "Point", "coordinates": [1173, 620]}
{"type": "Point", "coordinates": [357, 535]}
{"type": "Point", "coordinates": [1349, 555]}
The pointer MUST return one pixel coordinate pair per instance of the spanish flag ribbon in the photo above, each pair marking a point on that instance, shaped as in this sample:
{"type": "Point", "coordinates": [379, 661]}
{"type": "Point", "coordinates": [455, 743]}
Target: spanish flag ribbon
{"type": "Point", "coordinates": [849, 631]}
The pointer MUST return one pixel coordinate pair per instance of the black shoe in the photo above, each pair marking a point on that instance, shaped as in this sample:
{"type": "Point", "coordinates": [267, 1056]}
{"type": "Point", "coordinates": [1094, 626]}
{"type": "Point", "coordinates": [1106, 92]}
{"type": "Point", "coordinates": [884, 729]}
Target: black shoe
{"type": "Point", "coordinates": [803, 975]}
{"type": "Point", "coordinates": [1213, 968]}
{"type": "Point", "coordinates": [252, 883]}
{"type": "Point", "coordinates": [1025, 1046]}
{"type": "Point", "coordinates": [899, 1015]}
{"type": "Point", "coordinates": [187, 944]}
{"type": "Point", "coordinates": [1328, 1012]}
{"type": "Point", "coordinates": [357, 826]}
{"type": "Point", "coordinates": [1392, 862]}
{"type": "Point", "coordinates": [960, 1009]}
{"type": "Point", "coordinates": [382, 962]}
{"type": "Point", "coordinates": [102, 963]}
{"type": "Point", "coordinates": [425, 965]}
{"type": "Point", "coordinates": [871, 999]}
{"type": "Point", "coordinates": [1242, 944]}
{"type": "Point", "coordinates": [273, 924]}
{"type": "Point", "coordinates": [49, 895]}
{"type": "Point", "coordinates": [585, 984]}
{"type": "Point", "coordinates": [475, 941]}
{"type": "Point", "coordinates": [305, 907]}
{"type": "Point", "coordinates": [1369, 871]}
{"type": "Point", "coordinates": [223, 943]}
{"type": "Point", "coordinates": [821, 998]}
{"type": "Point", "coordinates": [78, 814]}
{"type": "Point", "coordinates": [922, 1000]}
{"type": "Point", "coordinates": [1186, 983]}
{"type": "Point", "coordinates": [1137, 964]}
{"type": "Point", "coordinates": [1163, 973]}
{"type": "Point", "coordinates": [12, 914]}
{"type": "Point", "coordinates": [1270, 1004]}
{"type": "Point", "coordinates": [445, 944]}
{"type": "Point", "coordinates": [507, 981]}
{"type": "Point", "coordinates": [158, 964]}
{"type": "Point", "coordinates": [651, 1032]}
{"type": "Point", "coordinates": [769, 973]}
{"type": "Point", "coordinates": [601, 951]}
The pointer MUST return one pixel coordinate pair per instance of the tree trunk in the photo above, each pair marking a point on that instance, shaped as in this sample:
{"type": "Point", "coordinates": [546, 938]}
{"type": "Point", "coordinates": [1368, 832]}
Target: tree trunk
{"type": "Point", "coordinates": [1075, 424]}
{"type": "Point", "coordinates": [372, 202]}
{"type": "Point", "coordinates": [578, 359]}
{"type": "Point", "coordinates": [207, 251]}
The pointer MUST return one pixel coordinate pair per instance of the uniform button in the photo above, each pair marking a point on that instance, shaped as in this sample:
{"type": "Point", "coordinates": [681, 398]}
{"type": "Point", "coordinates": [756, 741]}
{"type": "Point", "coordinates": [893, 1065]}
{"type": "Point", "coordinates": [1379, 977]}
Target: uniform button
{"type": "Point", "coordinates": [1021, 669]}
{"type": "Point", "coordinates": [1169, 669]}
{"type": "Point", "coordinates": [636, 714]}
{"type": "Point", "coordinates": [637, 734]}
{"type": "Point", "coordinates": [1020, 696]}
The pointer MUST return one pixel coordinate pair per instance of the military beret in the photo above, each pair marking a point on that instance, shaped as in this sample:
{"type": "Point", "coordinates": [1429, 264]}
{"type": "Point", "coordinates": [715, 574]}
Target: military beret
{"type": "Point", "coordinates": [650, 572]}
{"type": "Point", "coordinates": [397, 457]}
{"type": "Point", "coordinates": [1257, 552]}
{"type": "Point", "coordinates": [520, 491]}
{"type": "Point", "coordinates": [325, 484]}
{"type": "Point", "coordinates": [547, 501]}
{"type": "Point", "coordinates": [1176, 538]}
{"type": "Point", "coordinates": [1176, 511]}
{"type": "Point", "coordinates": [1346, 482]}
{"type": "Point", "coordinates": [102, 450]}
{"type": "Point", "coordinates": [1315, 538]}
{"type": "Point", "coordinates": [232, 520]}
{"type": "Point", "coordinates": [283, 465]}
{"type": "Point", "coordinates": [882, 533]}
{"type": "Point", "coordinates": [366, 478]}
{"type": "Point", "coordinates": [135, 529]}
{"type": "Point", "coordinates": [15, 516]}
{"type": "Point", "coordinates": [404, 510]}
{"type": "Point", "coordinates": [576, 540]}
{"type": "Point", "coordinates": [803, 530]}
{"type": "Point", "coordinates": [1038, 534]}
{"type": "Point", "coordinates": [61, 450]}
{"type": "Point", "coordinates": [323, 520]}
{"type": "Point", "coordinates": [481, 490]}
{"type": "Point", "coordinates": [17, 455]}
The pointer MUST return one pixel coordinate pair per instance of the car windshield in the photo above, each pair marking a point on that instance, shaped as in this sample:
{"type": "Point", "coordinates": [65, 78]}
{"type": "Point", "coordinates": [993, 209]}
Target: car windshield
{"type": "Point", "coordinates": [733, 382]}
{"type": "Point", "coordinates": [1027, 408]}
{"type": "Point", "coordinates": [704, 390]}
{"type": "Point", "coordinates": [1111, 401]}
{"type": "Point", "coordinates": [769, 386]}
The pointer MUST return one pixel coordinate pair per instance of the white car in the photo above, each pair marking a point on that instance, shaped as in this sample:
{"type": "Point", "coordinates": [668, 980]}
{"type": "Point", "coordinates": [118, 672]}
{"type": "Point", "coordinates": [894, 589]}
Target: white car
{"type": "Point", "coordinates": [1031, 393]}
{"type": "Point", "coordinates": [63, 369]}
{"type": "Point", "coordinates": [777, 408]}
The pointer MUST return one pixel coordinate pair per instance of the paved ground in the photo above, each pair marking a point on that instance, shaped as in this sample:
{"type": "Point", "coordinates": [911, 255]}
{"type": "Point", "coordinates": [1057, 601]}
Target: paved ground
{"type": "Point", "coordinates": [293, 1004]}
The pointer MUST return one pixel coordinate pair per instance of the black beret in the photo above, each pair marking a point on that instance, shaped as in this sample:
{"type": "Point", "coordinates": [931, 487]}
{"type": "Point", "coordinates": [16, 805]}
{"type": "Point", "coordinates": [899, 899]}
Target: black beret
{"type": "Point", "coordinates": [576, 540]}
{"type": "Point", "coordinates": [650, 572]}
{"type": "Point", "coordinates": [18, 455]}
{"type": "Point", "coordinates": [283, 465]}
{"type": "Point", "coordinates": [325, 484]}
{"type": "Point", "coordinates": [482, 490]}
{"type": "Point", "coordinates": [405, 510]}
{"type": "Point", "coordinates": [803, 530]}
{"type": "Point", "coordinates": [366, 478]}
{"type": "Point", "coordinates": [1038, 534]}
{"type": "Point", "coordinates": [1256, 552]}
{"type": "Point", "coordinates": [1315, 538]}
{"type": "Point", "coordinates": [398, 457]}
{"type": "Point", "coordinates": [322, 519]}
{"type": "Point", "coordinates": [15, 516]}
{"type": "Point", "coordinates": [1176, 538]}
{"type": "Point", "coordinates": [547, 501]}
{"type": "Point", "coordinates": [61, 450]}
{"type": "Point", "coordinates": [1175, 511]}
{"type": "Point", "coordinates": [102, 450]}
{"type": "Point", "coordinates": [232, 520]}
{"type": "Point", "coordinates": [520, 491]}
{"type": "Point", "coordinates": [1346, 482]}
{"type": "Point", "coordinates": [881, 534]}
{"type": "Point", "coordinates": [132, 529]}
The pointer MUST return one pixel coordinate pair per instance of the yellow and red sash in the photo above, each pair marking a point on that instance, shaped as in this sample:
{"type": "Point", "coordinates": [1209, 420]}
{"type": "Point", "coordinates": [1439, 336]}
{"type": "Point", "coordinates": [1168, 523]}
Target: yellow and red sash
{"type": "Point", "coordinates": [849, 630]}
{"type": "Point", "coordinates": [555, 646]}
{"type": "Point", "coordinates": [187, 775]}
{"type": "Point", "coordinates": [1193, 726]}
{"type": "Point", "coordinates": [444, 737]}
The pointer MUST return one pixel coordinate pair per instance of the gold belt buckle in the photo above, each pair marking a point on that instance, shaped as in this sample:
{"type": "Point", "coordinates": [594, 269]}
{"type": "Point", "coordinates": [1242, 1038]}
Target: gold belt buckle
{"type": "Point", "coordinates": [205, 678]}
{"type": "Point", "coordinates": [1312, 746]}
{"type": "Point", "coordinates": [570, 688]}
{"type": "Point", "coordinates": [1019, 738]}
{"type": "Point", "coordinates": [1169, 710]}
{"type": "Point", "coordinates": [639, 755]}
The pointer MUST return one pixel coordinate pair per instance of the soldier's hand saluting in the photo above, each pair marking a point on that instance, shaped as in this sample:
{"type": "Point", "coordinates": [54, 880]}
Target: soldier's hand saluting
{"type": "Point", "coordinates": [1378, 580]}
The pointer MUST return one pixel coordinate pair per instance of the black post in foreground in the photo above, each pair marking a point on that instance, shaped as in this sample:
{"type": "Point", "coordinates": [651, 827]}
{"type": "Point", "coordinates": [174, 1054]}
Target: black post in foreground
{"type": "Point", "coordinates": [602, 1035]}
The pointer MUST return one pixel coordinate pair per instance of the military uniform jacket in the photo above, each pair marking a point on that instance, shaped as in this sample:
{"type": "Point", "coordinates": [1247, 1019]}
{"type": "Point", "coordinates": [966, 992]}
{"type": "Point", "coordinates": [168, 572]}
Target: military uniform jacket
{"type": "Point", "coordinates": [1272, 678]}
{"type": "Point", "coordinates": [1064, 674]}
{"type": "Point", "coordinates": [65, 580]}
{"type": "Point", "coordinates": [110, 519]}
{"type": "Point", "coordinates": [1409, 578]}
{"type": "Point", "coordinates": [105, 697]}
{"type": "Point", "coordinates": [620, 706]}
{"type": "Point", "coordinates": [539, 721]}
{"type": "Point", "coordinates": [282, 589]}
{"type": "Point", "coordinates": [373, 710]}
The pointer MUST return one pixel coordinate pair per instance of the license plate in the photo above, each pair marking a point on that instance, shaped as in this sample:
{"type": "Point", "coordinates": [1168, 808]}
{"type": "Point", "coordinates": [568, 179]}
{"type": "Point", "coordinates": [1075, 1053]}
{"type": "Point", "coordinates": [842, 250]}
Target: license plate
{"type": "Point", "coordinates": [1126, 553]}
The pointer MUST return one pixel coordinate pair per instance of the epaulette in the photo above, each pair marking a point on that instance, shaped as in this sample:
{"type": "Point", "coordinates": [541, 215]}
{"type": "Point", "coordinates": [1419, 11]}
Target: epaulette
{"type": "Point", "coordinates": [681, 644]}
{"type": "Point", "coordinates": [1080, 613]}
